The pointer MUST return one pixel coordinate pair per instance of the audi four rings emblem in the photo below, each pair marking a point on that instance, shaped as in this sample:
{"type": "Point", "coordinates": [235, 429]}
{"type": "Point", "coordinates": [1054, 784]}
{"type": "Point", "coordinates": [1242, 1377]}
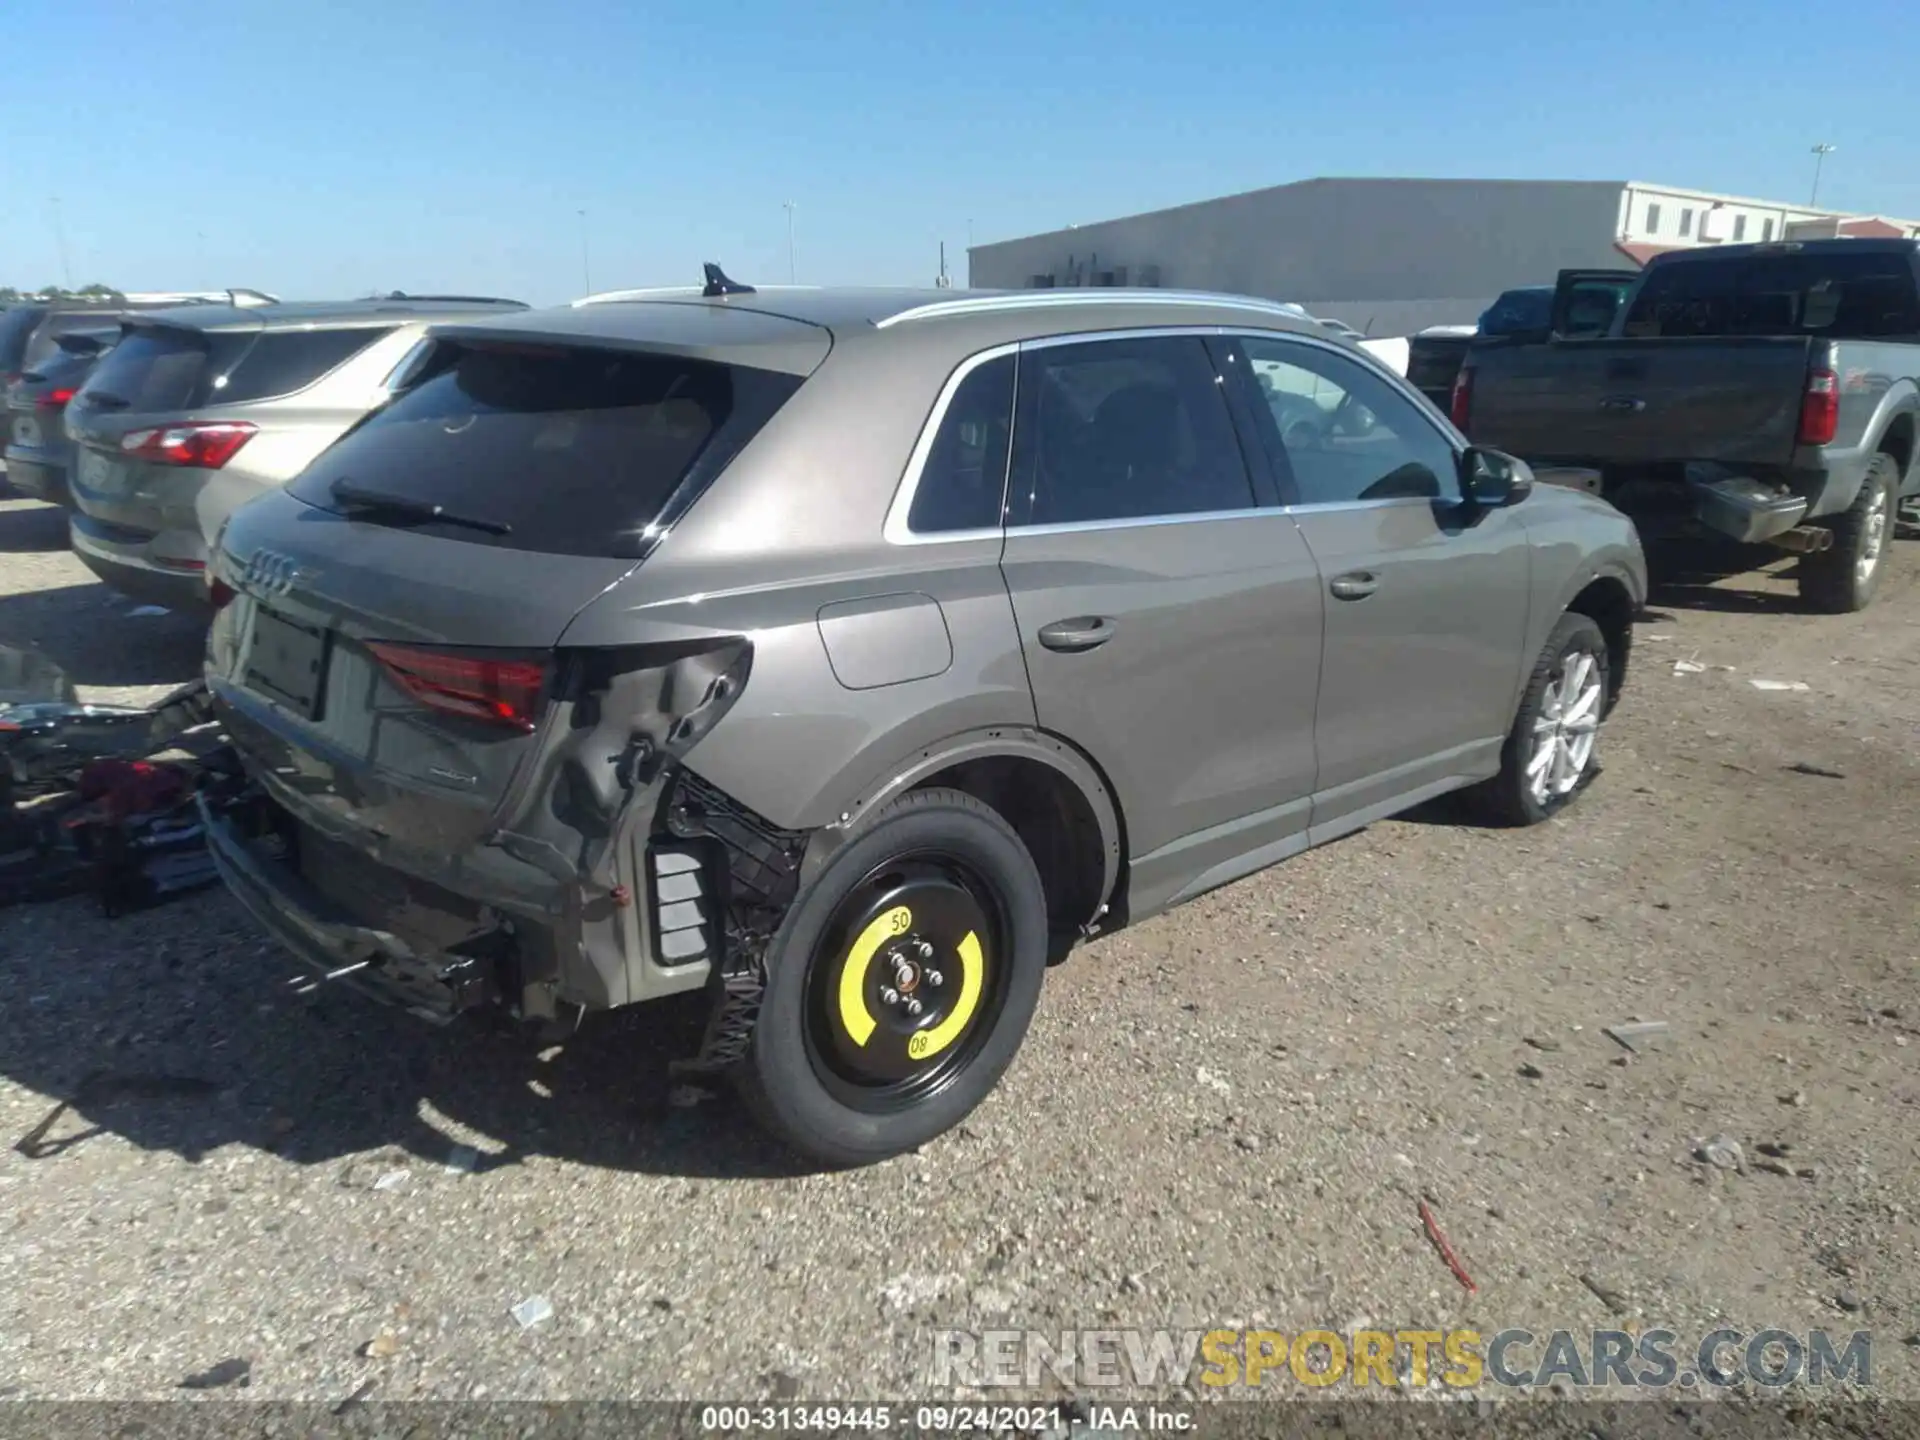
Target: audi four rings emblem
{"type": "Point", "coordinates": [270, 573]}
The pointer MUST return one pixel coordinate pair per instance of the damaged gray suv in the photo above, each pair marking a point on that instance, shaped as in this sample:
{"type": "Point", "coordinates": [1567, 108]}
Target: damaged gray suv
{"type": "Point", "coordinates": [848, 655]}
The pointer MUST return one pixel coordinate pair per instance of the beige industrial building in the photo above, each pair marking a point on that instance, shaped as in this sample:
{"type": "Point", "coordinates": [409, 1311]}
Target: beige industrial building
{"type": "Point", "coordinates": [1392, 256]}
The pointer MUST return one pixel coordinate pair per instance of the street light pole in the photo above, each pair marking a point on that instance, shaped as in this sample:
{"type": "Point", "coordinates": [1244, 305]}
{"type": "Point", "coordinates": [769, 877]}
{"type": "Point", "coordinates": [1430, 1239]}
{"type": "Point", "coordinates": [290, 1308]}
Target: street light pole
{"type": "Point", "coordinates": [586, 271]}
{"type": "Point", "coordinates": [1820, 153]}
{"type": "Point", "coordinates": [792, 274]}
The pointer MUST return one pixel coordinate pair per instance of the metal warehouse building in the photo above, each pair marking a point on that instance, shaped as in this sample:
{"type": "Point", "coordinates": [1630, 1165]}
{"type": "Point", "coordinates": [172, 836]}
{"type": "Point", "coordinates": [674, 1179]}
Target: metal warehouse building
{"type": "Point", "coordinates": [1390, 257]}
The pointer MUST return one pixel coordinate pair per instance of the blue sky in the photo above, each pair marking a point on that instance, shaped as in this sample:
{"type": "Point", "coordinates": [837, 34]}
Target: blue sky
{"type": "Point", "coordinates": [451, 144]}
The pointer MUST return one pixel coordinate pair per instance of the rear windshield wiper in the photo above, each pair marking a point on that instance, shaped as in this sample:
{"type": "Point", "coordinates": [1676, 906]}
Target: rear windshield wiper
{"type": "Point", "coordinates": [358, 499]}
{"type": "Point", "coordinates": [101, 400]}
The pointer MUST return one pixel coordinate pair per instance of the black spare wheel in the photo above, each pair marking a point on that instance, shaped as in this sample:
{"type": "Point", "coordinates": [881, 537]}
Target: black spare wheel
{"type": "Point", "coordinates": [900, 984]}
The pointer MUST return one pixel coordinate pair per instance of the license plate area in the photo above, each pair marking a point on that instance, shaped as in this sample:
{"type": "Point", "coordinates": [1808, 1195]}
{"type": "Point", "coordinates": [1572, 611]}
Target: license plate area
{"type": "Point", "coordinates": [287, 662]}
{"type": "Point", "coordinates": [26, 430]}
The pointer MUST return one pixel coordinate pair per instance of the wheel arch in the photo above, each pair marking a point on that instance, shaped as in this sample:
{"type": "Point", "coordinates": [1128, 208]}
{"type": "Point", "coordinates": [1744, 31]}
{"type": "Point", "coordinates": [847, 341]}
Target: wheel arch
{"type": "Point", "coordinates": [1609, 600]}
{"type": "Point", "coordinates": [1056, 799]}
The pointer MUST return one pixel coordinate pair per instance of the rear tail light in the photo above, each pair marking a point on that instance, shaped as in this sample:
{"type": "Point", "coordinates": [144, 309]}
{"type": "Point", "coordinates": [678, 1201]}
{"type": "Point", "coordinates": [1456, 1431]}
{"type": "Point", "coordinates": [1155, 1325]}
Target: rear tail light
{"type": "Point", "coordinates": [54, 399]}
{"type": "Point", "coordinates": [500, 692]}
{"type": "Point", "coordinates": [203, 444]}
{"type": "Point", "coordinates": [1461, 410]}
{"type": "Point", "coordinates": [1820, 408]}
{"type": "Point", "coordinates": [219, 593]}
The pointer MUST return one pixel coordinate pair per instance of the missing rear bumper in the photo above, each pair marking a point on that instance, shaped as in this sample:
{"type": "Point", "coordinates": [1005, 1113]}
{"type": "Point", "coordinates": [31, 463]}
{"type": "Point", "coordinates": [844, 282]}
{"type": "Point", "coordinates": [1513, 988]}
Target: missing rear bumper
{"type": "Point", "coordinates": [254, 855]}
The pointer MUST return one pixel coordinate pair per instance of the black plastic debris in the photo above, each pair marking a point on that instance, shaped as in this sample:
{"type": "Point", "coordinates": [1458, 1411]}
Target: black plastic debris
{"type": "Point", "coordinates": [84, 806]}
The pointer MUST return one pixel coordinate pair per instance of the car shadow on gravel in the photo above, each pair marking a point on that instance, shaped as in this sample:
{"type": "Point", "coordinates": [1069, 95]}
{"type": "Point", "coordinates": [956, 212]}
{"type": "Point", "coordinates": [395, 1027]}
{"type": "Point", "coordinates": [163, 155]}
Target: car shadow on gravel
{"type": "Point", "coordinates": [182, 1034]}
{"type": "Point", "coordinates": [30, 529]}
{"type": "Point", "coordinates": [91, 633]}
{"type": "Point", "coordinates": [1693, 576]}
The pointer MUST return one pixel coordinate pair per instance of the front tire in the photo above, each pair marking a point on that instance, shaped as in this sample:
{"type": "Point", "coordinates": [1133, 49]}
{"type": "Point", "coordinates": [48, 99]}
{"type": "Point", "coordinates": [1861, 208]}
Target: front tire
{"type": "Point", "coordinates": [900, 984]}
{"type": "Point", "coordinates": [1550, 754]}
{"type": "Point", "coordinates": [1843, 579]}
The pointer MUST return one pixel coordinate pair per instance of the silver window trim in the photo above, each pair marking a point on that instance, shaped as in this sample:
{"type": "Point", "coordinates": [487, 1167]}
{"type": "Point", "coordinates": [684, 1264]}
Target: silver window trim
{"type": "Point", "coordinates": [896, 531]}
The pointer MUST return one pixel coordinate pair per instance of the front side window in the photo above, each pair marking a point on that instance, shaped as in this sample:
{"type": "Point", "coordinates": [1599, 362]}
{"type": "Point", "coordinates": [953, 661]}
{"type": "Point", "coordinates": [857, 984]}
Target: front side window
{"type": "Point", "coordinates": [1345, 432]}
{"type": "Point", "coordinates": [1124, 429]}
{"type": "Point", "coordinates": [964, 478]}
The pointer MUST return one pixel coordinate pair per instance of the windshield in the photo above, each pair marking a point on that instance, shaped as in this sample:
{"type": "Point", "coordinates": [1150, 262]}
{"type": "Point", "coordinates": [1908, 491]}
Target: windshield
{"type": "Point", "coordinates": [1862, 295]}
{"type": "Point", "coordinates": [570, 451]}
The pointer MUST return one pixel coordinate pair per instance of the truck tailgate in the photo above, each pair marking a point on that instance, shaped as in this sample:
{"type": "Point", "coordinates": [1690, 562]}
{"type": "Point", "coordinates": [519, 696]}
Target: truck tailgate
{"type": "Point", "coordinates": [1736, 401]}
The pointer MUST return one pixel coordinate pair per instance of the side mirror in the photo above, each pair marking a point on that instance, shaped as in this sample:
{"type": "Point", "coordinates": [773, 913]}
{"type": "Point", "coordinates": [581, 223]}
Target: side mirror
{"type": "Point", "coordinates": [1492, 478]}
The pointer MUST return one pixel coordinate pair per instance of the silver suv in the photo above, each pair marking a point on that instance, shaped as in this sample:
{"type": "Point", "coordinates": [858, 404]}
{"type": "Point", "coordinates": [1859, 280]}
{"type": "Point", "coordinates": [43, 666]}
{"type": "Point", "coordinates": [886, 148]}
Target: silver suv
{"type": "Point", "coordinates": [850, 654]}
{"type": "Point", "coordinates": [199, 409]}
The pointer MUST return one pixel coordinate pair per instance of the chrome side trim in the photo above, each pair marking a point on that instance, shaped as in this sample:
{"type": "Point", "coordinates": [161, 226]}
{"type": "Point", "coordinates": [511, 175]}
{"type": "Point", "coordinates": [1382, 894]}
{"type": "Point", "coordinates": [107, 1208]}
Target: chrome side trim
{"type": "Point", "coordinates": [1065, 299]}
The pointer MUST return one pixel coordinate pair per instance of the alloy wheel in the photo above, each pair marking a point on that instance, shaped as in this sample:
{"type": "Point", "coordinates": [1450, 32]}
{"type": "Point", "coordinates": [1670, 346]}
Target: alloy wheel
{"type": "Point", "coordinates": [1566, 728]}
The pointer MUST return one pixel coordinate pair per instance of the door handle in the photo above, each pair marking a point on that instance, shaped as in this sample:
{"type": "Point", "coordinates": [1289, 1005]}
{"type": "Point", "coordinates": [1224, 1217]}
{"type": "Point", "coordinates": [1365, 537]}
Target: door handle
{"type": "Point", "coordinates": [1355, 586]}
{"type": "Point", "coordinates": [1082, 632]}
{"type": "Point", "coordinates": [1626, 404]}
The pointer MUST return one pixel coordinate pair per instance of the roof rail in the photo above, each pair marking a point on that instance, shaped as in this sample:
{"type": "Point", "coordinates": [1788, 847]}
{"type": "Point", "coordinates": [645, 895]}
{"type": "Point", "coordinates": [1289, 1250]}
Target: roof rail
{"type": "Point", "coordinates": [242, 297]}
{"type": "Point", "coordinates": [608, 296]}
{"type": "Point", "coordinates": [1091, 295]}
{"type": "Point", "coordinates": [450, 299]}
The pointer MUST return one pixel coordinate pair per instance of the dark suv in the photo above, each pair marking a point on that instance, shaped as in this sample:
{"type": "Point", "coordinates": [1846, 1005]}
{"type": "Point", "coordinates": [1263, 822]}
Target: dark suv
{"type": "Point", "coordinates": [850, 653]}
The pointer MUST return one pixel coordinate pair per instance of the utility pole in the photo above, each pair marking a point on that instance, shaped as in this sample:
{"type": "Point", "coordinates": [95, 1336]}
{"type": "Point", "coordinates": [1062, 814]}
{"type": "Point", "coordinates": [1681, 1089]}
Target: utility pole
{"type": "Point", "coordinates": [792, 274]}
{"type": "Point", "coordinates": [586, 271]}
{"type": "Point", "coordinates": [1820, 153]}
{"type": "Point", "coordinates": [60, 238]}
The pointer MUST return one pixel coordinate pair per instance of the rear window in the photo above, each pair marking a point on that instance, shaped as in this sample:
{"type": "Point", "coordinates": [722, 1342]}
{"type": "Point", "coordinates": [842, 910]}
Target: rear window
{"type": "Point", "coordinates": [572, 451]}
{"type": "Point", "coordinates": [1518, 312]}
{"type": "Point", "coordinates": [16, 328]}
{"type": "Point", "coordinates": [45, 340]}
{"type": "Point", "coordinates": [1862, 295]}
{"type": "Point", "coordinates": [156, 368]}
{"type": "Point", "coordinates": [282, 362]}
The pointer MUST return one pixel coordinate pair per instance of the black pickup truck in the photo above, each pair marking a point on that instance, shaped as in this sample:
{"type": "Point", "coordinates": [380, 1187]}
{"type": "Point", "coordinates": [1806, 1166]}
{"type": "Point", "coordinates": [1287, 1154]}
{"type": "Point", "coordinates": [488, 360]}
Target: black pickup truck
{"type": "Point", "coordinates": [1767, 393]}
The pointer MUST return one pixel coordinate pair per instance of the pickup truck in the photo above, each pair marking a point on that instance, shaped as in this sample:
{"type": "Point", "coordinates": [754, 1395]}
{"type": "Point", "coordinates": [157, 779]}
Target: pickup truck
{"type": "Point", "coordinates": [1522, 316]}
{"type": "Point", "coordinates": [1765, 393]}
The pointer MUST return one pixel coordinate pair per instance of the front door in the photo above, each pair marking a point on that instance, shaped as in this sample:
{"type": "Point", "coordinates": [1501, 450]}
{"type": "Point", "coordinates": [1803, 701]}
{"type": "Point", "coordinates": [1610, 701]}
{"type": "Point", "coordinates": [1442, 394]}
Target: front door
{"type": "Point", "coordinates": [1169, 618]}
{"type": "Point", "coordinates": [1426, 599]}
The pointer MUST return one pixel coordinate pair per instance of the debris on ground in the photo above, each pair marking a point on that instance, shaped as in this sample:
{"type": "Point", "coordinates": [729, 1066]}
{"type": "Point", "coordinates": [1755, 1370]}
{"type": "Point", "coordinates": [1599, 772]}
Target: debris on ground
{"type": "Point", "coordinates": [1530, 1071]}
{"type": "Point", "coordinates": [1608, 1296]}
{"type": "Point", "coordinates": [1213, 1080]}
{"type": "Point", "coordinates": [1801, 767]}
{"type": "Point", "coordinates": [1798, 1099]}
{"type": "Point", "coordinates": [1541, 1044]}
{"type": "Point", "coordinates": [1779, 684]}
{"type": "Point", "coordinates": [216, 1377]}
{"type": "Point", "coordinates": [1848, 1301]}
{"type": "Point", "coordinates": [1723, 1152]}
{"type": "Point", "coordinates": [142, 612]}
{"type": "Point", "coordinates": [383, 1346]}
{"type": "Point", "coordinates": [392, 1180]}
{"type": "Point", "coordinates": [463, 1159]}
{"type": "Point", "coordinates": [1439, 1239]}
{"type": "Point", "coordinates": [1688, 667]}
{"type": "Point", "coordinates": [1629, 1033]}
{"type": "Point", "coordinates": [534, 1310]}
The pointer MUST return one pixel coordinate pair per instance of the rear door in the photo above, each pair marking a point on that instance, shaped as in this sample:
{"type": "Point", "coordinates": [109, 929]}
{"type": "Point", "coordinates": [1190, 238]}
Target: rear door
{"type": "Point", "coordinates": [389, 647]}
{"type": "Point", "coordinates": [1426, 602]}
{"type": "Point", "coordinates": [1170, 616]}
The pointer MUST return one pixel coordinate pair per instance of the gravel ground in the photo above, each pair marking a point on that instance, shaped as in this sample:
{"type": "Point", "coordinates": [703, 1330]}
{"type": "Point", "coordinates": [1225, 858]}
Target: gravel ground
{"type": "Point", "coordinates": [1226, 1116]}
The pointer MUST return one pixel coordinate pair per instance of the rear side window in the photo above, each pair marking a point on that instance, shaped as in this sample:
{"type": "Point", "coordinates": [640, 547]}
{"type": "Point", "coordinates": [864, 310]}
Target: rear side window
{"type": "Point", "coordinates": [158, 368]}
{"type": "Point", "coordinates": [1124, 429]}
{"type": "Point", "coordinates": [1861, 295]}
{"type": "Point", "coordinates": [964, 479]}
{"type": "Point", "coordinates": [281, 362]}
{"type": "Point", "coordinates": [568, 451]}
